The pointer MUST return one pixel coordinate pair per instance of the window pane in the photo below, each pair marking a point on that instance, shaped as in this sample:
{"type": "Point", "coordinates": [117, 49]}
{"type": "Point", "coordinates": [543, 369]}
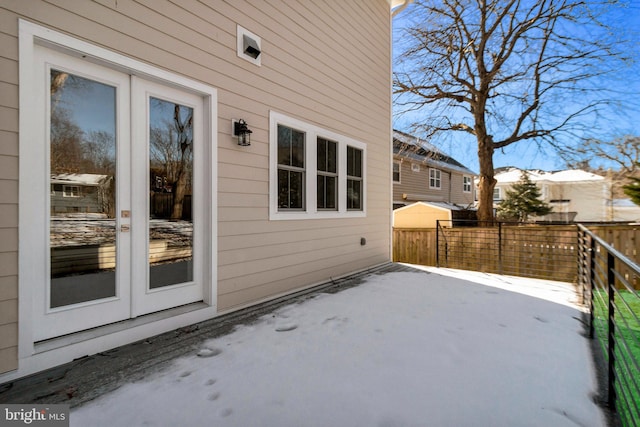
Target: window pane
{"type": "Point", "coordinates": [284, 145]}
{"type": "Point", "coordinates": [354, 162]}
{"type": "Point", "coordinates": [290, 147]}
{"type": "Point", "coordinates": [327, 155]}
{"type": "Point", "coordinates": [332, 156]}
{"type": "Point", "coordinates": [290, 189]}
{"type": "Point", "coordinates": [327, 192]}
{"type": "Point", "coordinates": [82, 201]}
{"type": "Point", "coordinates": [321, 191]}
{"type": "Point", "coordinates": [396, 172]}
{"type": "Point", "coordinates": [283, 188]}
{"type": "Point", "coordinates": [297, 149]}
{"type": "Point", "coordinates": [322, 154]}
{"type": "Point", "coordinates": [354, 194]}
{"type": "Point", "coordinates": [296, 185]}
{"type": "Point", "coordinates": [171, 193]}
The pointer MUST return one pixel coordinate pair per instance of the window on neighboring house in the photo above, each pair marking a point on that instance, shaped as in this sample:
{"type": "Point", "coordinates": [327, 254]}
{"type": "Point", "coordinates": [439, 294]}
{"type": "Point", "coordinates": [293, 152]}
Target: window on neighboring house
{"type": "Point", "coordinates": [325, 181]}
{"type": "Point", "coordinates": [496, 193]}
{"type": "Point", "coordinates": [327, 174]}
{"type": "Point", "coordinates": [71, 191]}
{"type": "Point", "coordinates": [466, 184]}
{"type": "Point", "coordinates": [354, 178]}
{"type": "Point", "coordinates": [435, 180]}
{"type": "Point", "coordinates": [396, 172]}
{"type": "Point", "coordinates": [291, 170]}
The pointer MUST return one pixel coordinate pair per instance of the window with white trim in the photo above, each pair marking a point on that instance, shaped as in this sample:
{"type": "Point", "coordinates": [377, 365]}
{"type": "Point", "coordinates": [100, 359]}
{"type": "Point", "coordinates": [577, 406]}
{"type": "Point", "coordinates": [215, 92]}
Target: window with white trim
{"type": "Point", "coordinates": [71, 191]}
{"type": "Point", "coordinates": [496, 193]}
{"type": "Point", "coordinates": [396, 172]}
{"type": "Point", "coordinates": [466, 184]}
{"type": "Point", "coordinates": [435, 178]}
{"type": "Point", "coordinates": [314, 172]}
{"type": "Point", "coordinates": [327, 189]}
{"type": "Point", "coordinates": [354, 178]}
{"type": "Point", "coordinates": [291, 168]}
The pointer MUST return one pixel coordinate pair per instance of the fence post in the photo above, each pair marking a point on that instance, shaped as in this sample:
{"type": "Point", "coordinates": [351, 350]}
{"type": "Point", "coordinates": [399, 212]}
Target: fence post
{"type": "Point", "coordinates": [437, 243]}
{"type": "Point", "coordinates": [500, 247]}
{"type": "Point", "coordinates": [611, 277]}
{"type": "Point", "coordinates": [592, 278]}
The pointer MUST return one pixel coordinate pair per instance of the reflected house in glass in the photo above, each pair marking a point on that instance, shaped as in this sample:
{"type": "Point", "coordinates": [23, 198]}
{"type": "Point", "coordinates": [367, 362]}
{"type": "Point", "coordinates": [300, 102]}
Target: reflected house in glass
{"type": "Point", "coordinates": [81, 193]}
{"type": "Point", "coordinates": [136, 210]}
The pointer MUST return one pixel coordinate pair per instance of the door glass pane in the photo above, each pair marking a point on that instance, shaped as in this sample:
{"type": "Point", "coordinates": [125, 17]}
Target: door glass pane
{"type": "Point", "coordinates": [171, 193]}
{"type": "Point", "coordinates": [82, 189]}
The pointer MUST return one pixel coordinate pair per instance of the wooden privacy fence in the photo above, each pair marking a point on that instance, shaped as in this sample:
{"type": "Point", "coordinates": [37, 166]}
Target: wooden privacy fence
{"type": "Point", "coordinates": [414, 245]}
{"type": "Point", "coordinates": [539, 251]}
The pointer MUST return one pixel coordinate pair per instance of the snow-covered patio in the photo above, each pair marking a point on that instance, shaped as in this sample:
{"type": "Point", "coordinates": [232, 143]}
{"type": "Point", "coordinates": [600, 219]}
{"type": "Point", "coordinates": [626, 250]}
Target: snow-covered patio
{"type": "Point", "coordinates": [431, 347]}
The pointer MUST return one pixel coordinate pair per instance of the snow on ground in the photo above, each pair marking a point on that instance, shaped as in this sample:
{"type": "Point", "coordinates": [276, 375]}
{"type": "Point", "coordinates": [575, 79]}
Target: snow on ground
{"type": "Point", "coordinates": [402, 349]}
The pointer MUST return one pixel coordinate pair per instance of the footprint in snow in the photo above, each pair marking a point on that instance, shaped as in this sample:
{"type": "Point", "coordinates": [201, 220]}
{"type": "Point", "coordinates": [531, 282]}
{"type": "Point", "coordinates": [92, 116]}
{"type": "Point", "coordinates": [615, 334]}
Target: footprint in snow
{"type": "Point", "coordinates": [335, 321]}
{"type": "Point", "coordinates": [208, 352]}
{"type": "Point", "coordinates": [286, 327]}
{"type": "Point", "coordinates": [214, 396]}
{"type": "Point", "coordinates": [225, 412]}
{"type": "Point", "coordinates": [210, 382]}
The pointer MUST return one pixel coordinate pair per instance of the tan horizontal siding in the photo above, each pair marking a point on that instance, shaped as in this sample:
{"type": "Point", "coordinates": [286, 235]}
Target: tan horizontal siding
{"type": "Point", "coordinates": [8, 288]}
{"type": "Point", "coordinates": [457, 190]}
{"type": "Point", "coordinates": [326, 63]}
{"type": "Point", "coordinates": [272, 284]}
{"type": "Point", "coordinates": [417, 183]}
{"type": "Point", "coordinates": [8, 359]}
{"type": "Point", "coordinates": [8, 46]}
{"type": "Point", "coordinates": [8, 143]}
{"type": "Point", "coordinates": [8, 335]}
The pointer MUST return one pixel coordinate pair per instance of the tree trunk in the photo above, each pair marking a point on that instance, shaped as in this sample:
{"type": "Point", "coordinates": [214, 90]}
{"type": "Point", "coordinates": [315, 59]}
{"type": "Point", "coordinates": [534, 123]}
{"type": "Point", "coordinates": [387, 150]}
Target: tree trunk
{"type": "Point", "coordinates": [487, 180]}
{"type": "Point", "coordinates": [178, 195]}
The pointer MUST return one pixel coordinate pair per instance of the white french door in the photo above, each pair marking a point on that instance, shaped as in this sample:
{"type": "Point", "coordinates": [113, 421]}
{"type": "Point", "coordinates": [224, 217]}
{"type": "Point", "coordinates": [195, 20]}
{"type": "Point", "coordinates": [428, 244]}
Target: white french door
{"type": "Point", "coordinates": [167, 205]}
{"type": "Point", "coordinates": [122, 185]}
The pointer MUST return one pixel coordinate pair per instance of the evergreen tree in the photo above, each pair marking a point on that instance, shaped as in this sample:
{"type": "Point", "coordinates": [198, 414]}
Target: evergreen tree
{"type": "Point", "coordinates": [523, 200]}
{"type": "Point", "coordinates": [633, 189]}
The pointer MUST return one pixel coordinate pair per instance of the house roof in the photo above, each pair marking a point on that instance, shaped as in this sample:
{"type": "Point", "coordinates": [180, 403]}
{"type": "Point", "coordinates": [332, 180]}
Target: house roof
{"type": "Point", "coordinates": [448, 206]}
{"type": "Point", "coordinates": [411, 147]}
{"type": "Point", "coordinates": [511, 175]}
{"type": "Point", "coordinates": [88, 179]}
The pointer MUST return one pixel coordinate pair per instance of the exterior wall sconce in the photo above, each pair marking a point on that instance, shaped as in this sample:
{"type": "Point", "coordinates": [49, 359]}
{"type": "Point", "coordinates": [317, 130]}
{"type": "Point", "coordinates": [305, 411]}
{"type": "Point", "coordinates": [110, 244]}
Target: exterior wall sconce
{"type": "Point", "coordinates": [242, 132]}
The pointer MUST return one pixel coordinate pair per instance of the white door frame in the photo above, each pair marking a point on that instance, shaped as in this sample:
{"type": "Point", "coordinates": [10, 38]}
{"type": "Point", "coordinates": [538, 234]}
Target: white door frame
{"type": "Point", "coordinates": [52, 322]}
{"type": "Point", "coordinates": [31, 357]}
{"type": "Point", "coordinates": [144, 299]}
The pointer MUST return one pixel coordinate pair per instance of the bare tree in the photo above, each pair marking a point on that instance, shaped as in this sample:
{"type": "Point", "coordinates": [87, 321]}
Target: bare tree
{"type": "Point", "coordinates": [503, 71]}
{"type": "Point", "coordinates": [623, 152]}
{"type": "Point", "coordinates": [172, 153]}
{"type": "Point", "coordinates": [66, 143]}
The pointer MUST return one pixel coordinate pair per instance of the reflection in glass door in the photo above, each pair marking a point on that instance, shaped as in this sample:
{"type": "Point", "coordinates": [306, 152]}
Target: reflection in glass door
{"type": "Point", "coordinates": [82, 233]}
{"type": "Point", "coordinates": [171, 193]}
{"type": "Point", "coordinates": [118, 163]}
{"type": "Point", "coordinates": [167, 209]}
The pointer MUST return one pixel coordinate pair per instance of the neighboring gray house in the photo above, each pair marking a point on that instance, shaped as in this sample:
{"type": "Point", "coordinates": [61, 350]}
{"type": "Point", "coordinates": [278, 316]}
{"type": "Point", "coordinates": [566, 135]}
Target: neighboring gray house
{"type": "Point", "coordinates": [422, 173]}
{"type": "Point", "coordinates": [174, 88]}
{"type": "Point", "coordinates": [81, 193]}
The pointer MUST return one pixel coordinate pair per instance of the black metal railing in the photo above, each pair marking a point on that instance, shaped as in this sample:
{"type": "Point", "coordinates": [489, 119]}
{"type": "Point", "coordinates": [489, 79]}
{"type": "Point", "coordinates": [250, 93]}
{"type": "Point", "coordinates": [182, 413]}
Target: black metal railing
{"type": "Point", "coordinates": [609, 282]}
